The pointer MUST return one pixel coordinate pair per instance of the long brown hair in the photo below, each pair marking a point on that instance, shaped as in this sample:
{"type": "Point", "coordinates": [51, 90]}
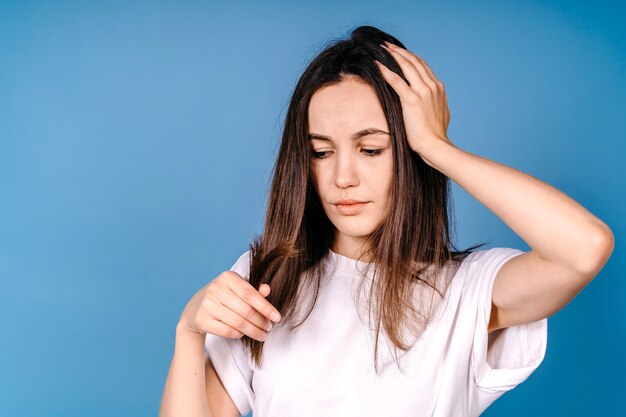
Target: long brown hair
{"type": "Point", "coordinates": [297, 234]}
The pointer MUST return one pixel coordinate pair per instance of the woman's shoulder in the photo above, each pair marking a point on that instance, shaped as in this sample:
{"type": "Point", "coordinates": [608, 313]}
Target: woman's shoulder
{"type": "Point", "coordinates": [242, 265]}
{"type": "Point", "coordinates": [487, 256]}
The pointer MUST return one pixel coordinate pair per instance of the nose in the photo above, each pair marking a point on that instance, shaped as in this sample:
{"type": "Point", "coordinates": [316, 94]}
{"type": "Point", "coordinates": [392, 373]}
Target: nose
{"type": "Point", "coordinates": [346, 174]}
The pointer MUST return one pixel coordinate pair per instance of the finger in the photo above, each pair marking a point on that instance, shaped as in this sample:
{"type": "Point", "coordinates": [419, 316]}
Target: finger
{"type": "Point", "coordinates": [395, 81]}
{"type": "Point", "coordinates": [264, 289]}
{"type": "Point", "coordinates": [445, 95]}
{"type": "Point", "coordinates": [414, 77]}
{"type": "Point", "coordinates": [429, 70]}
{"type": "Point", "coordinates": [252, 297]}
{"type": "Point", "coordinates": [216, 327]}
{"type": "Point", "coordinates": [231, 300]}
{"type": "Point", "coordinates": [234, 319]}
{"type": "Point", "coordinates": [428, 77]}
{"type": "Point", "coordinates": [416, 62]}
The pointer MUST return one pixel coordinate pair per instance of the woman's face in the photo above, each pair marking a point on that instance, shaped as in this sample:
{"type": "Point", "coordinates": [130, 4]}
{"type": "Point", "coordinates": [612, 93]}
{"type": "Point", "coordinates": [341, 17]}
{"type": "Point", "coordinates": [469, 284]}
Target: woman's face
{"type": "Point", "coordinates": [349, 165]}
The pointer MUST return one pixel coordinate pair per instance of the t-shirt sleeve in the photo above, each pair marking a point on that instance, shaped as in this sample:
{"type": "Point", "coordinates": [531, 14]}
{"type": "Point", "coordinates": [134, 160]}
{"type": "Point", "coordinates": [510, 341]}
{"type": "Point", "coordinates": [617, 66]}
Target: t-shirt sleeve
{"type": "Point", "coordinates": [504, 358]}
{"type": "Point", "coordinates": [230, 361]}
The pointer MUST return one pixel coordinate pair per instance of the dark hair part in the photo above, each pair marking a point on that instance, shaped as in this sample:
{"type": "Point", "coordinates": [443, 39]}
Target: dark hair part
{"type": "Point", "coordinates": [409, 248]}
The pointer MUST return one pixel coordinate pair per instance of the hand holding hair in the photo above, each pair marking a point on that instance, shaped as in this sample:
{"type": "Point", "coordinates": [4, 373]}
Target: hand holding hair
{"type": "Point", "coordinates": [424, 100]}
{"type": "Point", "coordinates": [230, 307]}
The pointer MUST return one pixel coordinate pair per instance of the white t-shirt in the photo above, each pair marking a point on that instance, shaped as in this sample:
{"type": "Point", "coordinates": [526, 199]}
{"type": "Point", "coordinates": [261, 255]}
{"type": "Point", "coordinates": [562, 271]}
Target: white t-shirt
{"type": "Point", "coordinates": [325, 367]}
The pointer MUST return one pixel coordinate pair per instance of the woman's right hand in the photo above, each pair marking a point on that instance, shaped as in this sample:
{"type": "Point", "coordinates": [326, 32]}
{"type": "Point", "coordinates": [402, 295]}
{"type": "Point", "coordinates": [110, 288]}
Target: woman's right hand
{"type": "Point", "coordinates": [230, 307]}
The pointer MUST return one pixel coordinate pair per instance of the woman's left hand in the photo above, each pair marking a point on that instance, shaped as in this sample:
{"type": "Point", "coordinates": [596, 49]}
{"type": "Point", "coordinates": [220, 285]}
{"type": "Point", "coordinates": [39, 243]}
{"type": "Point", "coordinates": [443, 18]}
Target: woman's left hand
{"type": "Point", "coordinates": [424, 100]}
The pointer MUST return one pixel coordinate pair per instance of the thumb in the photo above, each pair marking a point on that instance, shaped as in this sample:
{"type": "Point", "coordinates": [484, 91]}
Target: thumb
{"type": "Point", "coordinates": [264, 289]}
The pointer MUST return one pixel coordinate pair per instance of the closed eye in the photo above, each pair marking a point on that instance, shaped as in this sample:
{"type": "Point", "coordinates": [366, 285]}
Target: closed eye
{"type": "Point", "coordinates": [373, 152]}
{"type": "Point", "coordinates": [368, 152]}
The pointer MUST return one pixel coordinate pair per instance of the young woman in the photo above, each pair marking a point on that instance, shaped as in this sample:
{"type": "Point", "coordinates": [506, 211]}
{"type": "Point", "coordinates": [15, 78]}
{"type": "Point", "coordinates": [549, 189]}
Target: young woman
{"type": "Point", "coordinates": [357, 250]}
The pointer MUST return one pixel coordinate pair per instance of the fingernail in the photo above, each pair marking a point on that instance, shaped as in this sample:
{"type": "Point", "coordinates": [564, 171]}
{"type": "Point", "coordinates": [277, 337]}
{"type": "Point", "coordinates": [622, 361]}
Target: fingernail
{"type": "Point", "coordinates": [269, 327]}
{"type": "Point", "coordinates": [275, 316]}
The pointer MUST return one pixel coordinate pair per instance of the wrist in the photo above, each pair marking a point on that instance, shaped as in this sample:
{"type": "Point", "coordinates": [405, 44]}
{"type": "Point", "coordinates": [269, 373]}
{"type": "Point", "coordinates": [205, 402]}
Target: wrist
{"type": "Point", "coordinates": [184, 332]}
{"type": "Point", "coordinates": [189, 344]}
{"type": "Point", "coordinates": [436, 150]}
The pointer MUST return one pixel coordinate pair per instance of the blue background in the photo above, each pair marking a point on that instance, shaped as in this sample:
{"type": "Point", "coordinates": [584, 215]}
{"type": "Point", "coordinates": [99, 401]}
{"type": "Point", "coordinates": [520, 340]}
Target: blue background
{"type": "Point", "coordinates": [137, 139]}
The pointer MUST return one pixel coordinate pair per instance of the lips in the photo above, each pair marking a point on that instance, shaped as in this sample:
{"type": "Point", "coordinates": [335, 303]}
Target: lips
{"type": "Point", "coordinates": [350, 207]}
{"type": "Point", "coordinates": [349, 201]}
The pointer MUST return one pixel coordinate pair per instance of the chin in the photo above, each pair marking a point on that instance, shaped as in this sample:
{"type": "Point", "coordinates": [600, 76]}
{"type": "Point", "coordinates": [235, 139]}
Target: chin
{"type": "Point", "coordinates": [355, 228]}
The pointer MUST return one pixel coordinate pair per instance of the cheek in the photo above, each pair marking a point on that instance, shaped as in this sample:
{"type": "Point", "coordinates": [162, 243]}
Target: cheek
{"type": "Point", "coordinates": [313, 176]}
{"type": "Point", "coordinates": [385, 187]}
{"type": "Point", "coordinates": [317, 178]}
{"type": "Point", "coordinates": [316, 186]}
{"type": "Point", "coordinates": [383, 179]}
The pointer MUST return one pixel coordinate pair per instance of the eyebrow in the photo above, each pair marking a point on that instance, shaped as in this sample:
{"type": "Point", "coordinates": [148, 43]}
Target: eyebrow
{"type": "Point", "coordinates": [356, 136]}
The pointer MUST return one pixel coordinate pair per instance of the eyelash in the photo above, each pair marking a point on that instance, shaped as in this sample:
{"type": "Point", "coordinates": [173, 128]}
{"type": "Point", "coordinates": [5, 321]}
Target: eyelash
{"type": "Point", "coordinates": [369, 152]}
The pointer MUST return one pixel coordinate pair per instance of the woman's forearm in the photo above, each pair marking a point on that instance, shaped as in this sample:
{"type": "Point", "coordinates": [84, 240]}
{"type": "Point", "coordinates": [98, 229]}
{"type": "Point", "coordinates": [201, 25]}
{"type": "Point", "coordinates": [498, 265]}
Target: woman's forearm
{"type": "Point", "coordinates": [556, 227]}
{"type": "Point", "coordinates": [185, 390]}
